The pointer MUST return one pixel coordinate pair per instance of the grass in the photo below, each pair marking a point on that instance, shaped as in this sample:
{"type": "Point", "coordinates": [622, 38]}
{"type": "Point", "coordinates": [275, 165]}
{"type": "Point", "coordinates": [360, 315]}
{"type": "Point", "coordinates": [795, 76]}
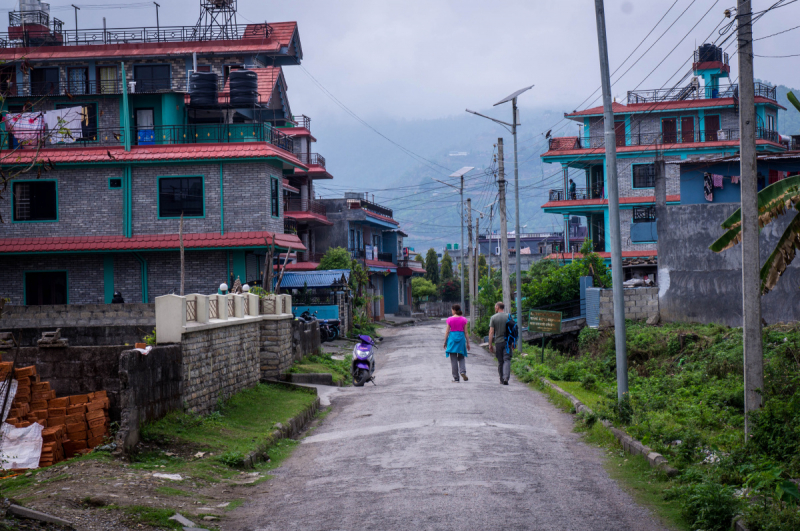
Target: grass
{"type": "Point", "coordinates": [152, 516]}
{"type": "Point", "coordinates": [323, 363]}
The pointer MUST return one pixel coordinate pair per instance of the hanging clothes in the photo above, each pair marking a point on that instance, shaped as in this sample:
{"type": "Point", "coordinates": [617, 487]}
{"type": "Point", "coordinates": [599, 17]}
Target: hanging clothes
{"type": "Point", "coordinates": [708, 187]}
{"type": "Point", "coordinates": [718, 180]}
{"type": "Point", "coordinates": [64, 125]}
{"type": "Point", "coordinates": [735, 179]}
{"type": "Point", "coordinates": [25, 126]}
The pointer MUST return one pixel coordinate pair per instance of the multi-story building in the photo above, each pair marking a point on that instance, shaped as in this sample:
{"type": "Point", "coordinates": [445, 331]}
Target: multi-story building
{"type": "Point", "coordinates": [98, 209]}
{"type": "Point", "coordinates": [373, 237]}
{"type": "Point", "coordinates": [699, 119]}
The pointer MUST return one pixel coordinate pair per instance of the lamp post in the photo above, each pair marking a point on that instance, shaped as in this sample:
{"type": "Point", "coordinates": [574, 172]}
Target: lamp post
{"type": "Point", "coordinates": [158, 26]}
{"type": "Point", "coordinates": [515, 114]}
{"type": "Point", "coordinates": [460, 175]}
{"type": "Point", "coordinates": [76, 22]}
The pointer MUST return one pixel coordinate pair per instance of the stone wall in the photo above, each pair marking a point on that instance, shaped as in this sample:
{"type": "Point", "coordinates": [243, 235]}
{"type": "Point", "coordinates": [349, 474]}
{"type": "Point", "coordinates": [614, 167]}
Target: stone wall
{"type": "Point", "coordinates": [701, 286]}
{"type": "Point", "coordinates": [149, 387]}
{"type": "Point", "coordinates": [640, 305]}
{"type": "Point", "coordinates": [219, 360]}
{"type": "Point", "coordinates": [76, 370]}
{"type": "Point", "coordinates": [283, 342]}
{"type": "Point", "coordinates": [345, 304]}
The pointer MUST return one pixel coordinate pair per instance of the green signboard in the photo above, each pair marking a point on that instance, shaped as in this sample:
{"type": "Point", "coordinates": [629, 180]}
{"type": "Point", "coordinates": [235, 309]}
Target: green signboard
{"type": "Point", "coordinates": [544, 322]}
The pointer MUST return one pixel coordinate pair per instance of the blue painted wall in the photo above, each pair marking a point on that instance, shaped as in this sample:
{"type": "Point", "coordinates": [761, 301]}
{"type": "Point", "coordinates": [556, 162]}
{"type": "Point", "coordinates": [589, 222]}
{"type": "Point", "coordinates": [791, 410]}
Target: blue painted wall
{"type": "Point", "coordinates": [391, 303]}
{"type": "Point", "coordinates": [644, 232]}
{"type": "Point", "coordinates": [692, 180]}
{"type": "Point", "coordinates": [323, 312]}
{"type": "Point", "coordinates": [390, 245]}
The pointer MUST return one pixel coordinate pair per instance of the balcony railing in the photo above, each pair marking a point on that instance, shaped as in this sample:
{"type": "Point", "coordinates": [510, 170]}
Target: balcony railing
{"type": "Point", "coordinates": [12, 89]}
{"type": "Point", "coordinates": [296, 205]}
{"type": "Point", "coordinates": [358, 254]}
{"type": "Point", "coordinates": [144, 34]}
{"type": "Point", "coordinates": [311, 159]}
{"type": "Point", "coordinates": [385, 257]}
{"type": "Point", "coordinates": [302, 121]}
{"type": "Point", "coordinates": [289, 225]}
{"type": "Point", "coordinates": [107, 137]}
{"type": "Point", "coordinates": [371, 207]}
{"type": "Point", "coordinates": [580, 194]}
{"type": "Point", "coordinates": [655, 139]}
{"type": "Point", "coordinates": [644, 214]}
{"type": "Point", "coordinates": [692, 92]}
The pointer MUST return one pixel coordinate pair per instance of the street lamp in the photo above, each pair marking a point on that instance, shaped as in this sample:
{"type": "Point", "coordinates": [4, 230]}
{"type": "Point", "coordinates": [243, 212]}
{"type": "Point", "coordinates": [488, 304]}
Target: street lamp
{"type": "Point", "coordinates": [515, 115]}
{"type": "Point", "coordinates": [460, 175]}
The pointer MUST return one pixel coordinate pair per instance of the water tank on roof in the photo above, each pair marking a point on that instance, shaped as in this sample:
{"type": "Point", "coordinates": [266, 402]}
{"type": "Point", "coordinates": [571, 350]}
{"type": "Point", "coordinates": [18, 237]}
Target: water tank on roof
{"type": "Point", "coordinates": [203, 89]}
{"type": "Point", "coordinates": [244, 88]}
{"type": "Point", "coordinates": [708, 53]}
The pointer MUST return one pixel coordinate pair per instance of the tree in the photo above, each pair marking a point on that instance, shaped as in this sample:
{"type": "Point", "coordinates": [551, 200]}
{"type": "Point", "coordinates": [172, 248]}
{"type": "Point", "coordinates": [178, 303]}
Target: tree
{"type": "Point", "coordinates": [447, 267]}
{"type": "Point", "coordinates": [420, 259]}
{"type": "Point", "coordinates": [774, 200]}
{"type": "Point", "coordinates": [335, 258]}
{"type": "Point", "coordinates": [432, 266]}
{"type": "Point", "coordinates": [421, 287]}
{"type": "Point", "coordinates": [450, 291]}
{"type": "Point", "coordinates": [483, 267]}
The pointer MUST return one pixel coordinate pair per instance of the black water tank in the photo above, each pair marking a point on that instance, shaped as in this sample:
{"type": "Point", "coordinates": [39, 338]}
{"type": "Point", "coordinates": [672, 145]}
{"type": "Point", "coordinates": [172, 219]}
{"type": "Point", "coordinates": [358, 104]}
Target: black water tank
{"type": "Point", "coordinates": [203, 88]}
{"type": "Point", "coordinates": [244, 88]}
{"type": "Point", "coordinates": [709, 53]}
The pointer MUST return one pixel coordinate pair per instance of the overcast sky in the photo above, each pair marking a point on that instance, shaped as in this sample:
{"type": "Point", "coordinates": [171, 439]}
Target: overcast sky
{"type": "Point", "coordinates": [431, 58]}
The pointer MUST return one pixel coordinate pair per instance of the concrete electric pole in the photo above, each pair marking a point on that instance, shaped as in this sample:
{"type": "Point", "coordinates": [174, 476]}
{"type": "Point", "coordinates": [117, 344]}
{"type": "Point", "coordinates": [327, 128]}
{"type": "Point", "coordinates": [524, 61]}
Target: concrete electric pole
{"type": "Point", "coordinates": [469, 267]}
{"type": "Point", "coordinates": [476, 274]}
{"type": "Point", "coordinates": [751, 284]}
{"type": "Point", "coordinates": [613, 207]}
{"type": "Point", "coordinates": [501, 184]}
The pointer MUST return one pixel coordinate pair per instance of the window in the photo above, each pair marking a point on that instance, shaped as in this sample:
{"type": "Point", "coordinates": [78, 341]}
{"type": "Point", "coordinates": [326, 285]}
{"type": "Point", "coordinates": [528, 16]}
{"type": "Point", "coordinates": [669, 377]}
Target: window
{"type": "Point", "coordinates": [114, 183]}
{"type": "Point", "coordinates": [274, 195]}
{"type": "Point", "coordinates": [78, 80]}
{"type": "Point", "coordinates": [770, 122]}
{"type": "Point", "coordinates": [712, 128]}
{"type": "Point", "coordinates": [619, 131]}
{"type": "Point", "coordinates": [180, 195]}
{"type": "Point", "coordinates": [351, 242]}
{"type": "Point", "coordinates": [44, 81]}
{"type": "Point", "coordinates": [45, 287]}
{"type": "Point", "coordinates": [669, 130]}
{"type": "Point", "coordinates": [151, 78]}
{"type": "Point", "coordinates": [687, 129]}
{"type": "Point", "coordinates": [88, 120]}
{"type": "Point", "coordinates": [107, 80]}
{"type": "Point", "coordinates": [644, 176]}
{"type": "Point", "coordinates": [204, 68]}
{"type": "Point", "coordinates": [8, 79]}
{"type": "Point", "coordinates": [35, 201]}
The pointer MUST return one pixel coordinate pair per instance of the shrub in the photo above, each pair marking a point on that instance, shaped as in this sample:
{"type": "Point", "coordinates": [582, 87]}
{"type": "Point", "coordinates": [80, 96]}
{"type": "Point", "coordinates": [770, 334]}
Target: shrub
{"type": "Point", "coordinates": [707, 505]}
{"type": "Point", "coordinates": [335, 258]}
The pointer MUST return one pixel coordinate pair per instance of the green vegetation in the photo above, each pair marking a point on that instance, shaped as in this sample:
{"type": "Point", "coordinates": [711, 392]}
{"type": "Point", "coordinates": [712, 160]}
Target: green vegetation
{"type": "Point", "coordinates": [152, 516]}
{"type": "Point", "coordinates": [446, 267]}
{"type": "Point", "coordinates": [240, 426]}
{"type": "Point", "coordinates": [432, 266]}
{"type": "Point", "coordinates": [335, 258]}
{"type": "Point", "coordinates": [421, 287]}
{"type": "Point", "coordinates": [686, 402]}
{"type": "Point", "coordinates": [324, 363]}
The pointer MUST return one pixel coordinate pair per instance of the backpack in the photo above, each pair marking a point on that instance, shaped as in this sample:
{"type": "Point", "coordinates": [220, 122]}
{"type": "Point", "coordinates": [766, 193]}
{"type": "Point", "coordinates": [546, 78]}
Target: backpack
{"type": "Point", "coordinates": [512, 334]}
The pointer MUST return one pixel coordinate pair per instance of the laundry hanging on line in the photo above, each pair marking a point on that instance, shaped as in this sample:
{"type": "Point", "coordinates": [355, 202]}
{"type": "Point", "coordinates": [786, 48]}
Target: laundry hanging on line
{"type": "Point", "coordinates": [718, 180]}
{"type": "Point", "coordinates": [735, 179]}
{"type": "Point", "coordinates": [25, 126]}
{"type": "Point", "coordinates": [708, 187]}
{"type": "Point", "coordinates": [64, 125]}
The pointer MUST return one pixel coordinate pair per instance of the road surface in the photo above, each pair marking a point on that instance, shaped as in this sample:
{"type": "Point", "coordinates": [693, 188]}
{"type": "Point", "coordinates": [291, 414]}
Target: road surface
{"type": "Point", "coordinates": [418, 452]}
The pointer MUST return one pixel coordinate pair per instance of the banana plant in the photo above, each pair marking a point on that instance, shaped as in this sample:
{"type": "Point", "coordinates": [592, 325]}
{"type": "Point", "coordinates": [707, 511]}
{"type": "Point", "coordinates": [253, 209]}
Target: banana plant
{"type": "Point", "coordinates": [774, 200]}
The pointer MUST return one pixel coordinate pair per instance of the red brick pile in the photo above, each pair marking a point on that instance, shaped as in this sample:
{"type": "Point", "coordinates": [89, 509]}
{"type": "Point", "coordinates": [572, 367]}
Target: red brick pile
{"type": "Point", "coordinates": [72, 424]}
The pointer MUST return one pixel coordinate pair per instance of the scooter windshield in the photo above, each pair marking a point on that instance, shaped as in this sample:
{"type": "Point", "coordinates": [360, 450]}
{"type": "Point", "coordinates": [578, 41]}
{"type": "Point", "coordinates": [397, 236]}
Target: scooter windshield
{"type": "Point", "coordinates": [365, 339]}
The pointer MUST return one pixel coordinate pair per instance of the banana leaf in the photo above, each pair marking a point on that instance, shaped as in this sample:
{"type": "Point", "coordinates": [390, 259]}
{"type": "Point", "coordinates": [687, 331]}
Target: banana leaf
{"type": "Point", "coordinates": [774, 200]}
{"type": "Point", "coordinates": [793, 100]}
{"type": "Point", "coordinates": [782, 256]}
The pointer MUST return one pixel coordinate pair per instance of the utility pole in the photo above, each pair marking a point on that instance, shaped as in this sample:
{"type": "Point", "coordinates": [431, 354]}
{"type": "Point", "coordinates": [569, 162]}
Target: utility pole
{"type": "Point", "coordinates": [158, 26]}
{"type": "Point", "coordinates": [517, 248]}
{"type": "Point", "coordinates": [469, 266]}
{"type": "Point", "coordinates": [477, 274]}
{"type": "Point", "coordinates": [613, 207]}
{"type": "Point", "coordinates": [751, 285]}
{"type": "Point", "coordinates": [460, 173]}
{"type": "Point", "coordinates": [501, 184]}
{"type": "Point", "coordinates": [76, 22]}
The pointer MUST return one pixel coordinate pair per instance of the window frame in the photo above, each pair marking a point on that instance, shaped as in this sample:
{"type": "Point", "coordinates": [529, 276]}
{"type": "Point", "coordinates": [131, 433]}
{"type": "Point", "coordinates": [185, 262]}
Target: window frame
{"type": "Point", "coordinates": [633, 176]}
{"type": "Point", "coordinates": [116, 88]}
{"type": "Point", "coordinates": [705, 127]}
{"type": "Point", "coordinates": [57, 87]}
{"type": "Point", "coordinates": [153, 88]}
{"type": "Point", "coordinates": [158, 195]}
{"type": "Point", "coordinates": [677, 128]}
{"type": "Point", "coordinates": [13, 197]}
{"type": "Point", "coordinates": [115, 179]}
{"type": "Point", "coordinates": [25, 284]}
{"type": "Point", "coordinates": [274, 197]}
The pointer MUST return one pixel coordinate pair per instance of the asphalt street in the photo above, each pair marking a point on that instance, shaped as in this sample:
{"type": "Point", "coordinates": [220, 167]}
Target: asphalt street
{"type": "Point", "coordinates": [418, 452]}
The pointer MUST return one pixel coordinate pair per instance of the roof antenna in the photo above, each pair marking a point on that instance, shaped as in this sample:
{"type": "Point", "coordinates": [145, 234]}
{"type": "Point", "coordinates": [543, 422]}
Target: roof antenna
{"type": "Point", "coordinates": [217, 21]}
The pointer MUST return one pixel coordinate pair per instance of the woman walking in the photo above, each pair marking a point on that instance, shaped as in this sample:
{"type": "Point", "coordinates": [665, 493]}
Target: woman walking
{"type": "Point", "coordinates": [456, 343]}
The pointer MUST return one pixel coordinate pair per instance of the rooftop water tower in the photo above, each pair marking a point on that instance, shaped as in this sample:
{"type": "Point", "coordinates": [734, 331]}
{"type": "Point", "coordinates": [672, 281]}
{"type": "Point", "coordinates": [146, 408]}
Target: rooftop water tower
{"type": "Point", "coordinates": [711, 63]}
{"type": "Point", "coordinates": [217, 21]}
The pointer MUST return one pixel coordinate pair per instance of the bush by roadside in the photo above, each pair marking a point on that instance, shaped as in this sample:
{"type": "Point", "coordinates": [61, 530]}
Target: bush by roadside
{"type": "Point", "coordinates": [686, 402]}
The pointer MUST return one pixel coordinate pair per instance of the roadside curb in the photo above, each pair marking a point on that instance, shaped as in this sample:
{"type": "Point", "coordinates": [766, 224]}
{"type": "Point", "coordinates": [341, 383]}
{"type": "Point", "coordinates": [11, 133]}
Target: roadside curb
{"type": "Point", "coordinates": [629, 444]}
{"type": "Point", "coordinates": [293, 426]}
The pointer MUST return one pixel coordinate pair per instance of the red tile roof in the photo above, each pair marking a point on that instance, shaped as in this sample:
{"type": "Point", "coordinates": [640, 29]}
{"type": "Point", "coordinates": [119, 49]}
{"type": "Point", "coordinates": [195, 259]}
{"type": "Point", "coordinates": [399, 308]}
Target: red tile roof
{"type": "Point", "coordinates": [301, 215]}
{"type": "Point", "coordinates": [300, 266]}
{"type": "Point", "coordinates": [620, 108]}
{"type": "Point", "coordinates": [281, 37]}
{"type": "Point", "coordinates": [380, 264]}
{"type": "Point", "coordinates": [625, 254]}
{"type": "Point", "coordinates": [381, 217]}
{"type": "Point", "coordinates": [289, 187]}
{"type": "Point", "coordinates": [600, 150]}
{"type": "Point", "coordinates": [147, 242]}
{"type": "Point", "coordinates": [622, 201]}
{"type": "Point", "coordinates": [157, 153]}
{"type": "Point", "coordinates": [315, 172]}
{"type": "Point", "coordinates": [297, 131]}
{"type": "Point", "coordinates": [563, 142]}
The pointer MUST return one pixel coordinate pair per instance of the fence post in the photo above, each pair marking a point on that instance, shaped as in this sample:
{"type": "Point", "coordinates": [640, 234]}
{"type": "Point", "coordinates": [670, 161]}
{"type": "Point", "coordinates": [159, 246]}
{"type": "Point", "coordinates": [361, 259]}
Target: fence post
{"type": "Point", "coordinates": [253, 304]}
{"type": "Point", "coordinates": [170, 318]}
{"type": "Point", "coordinates": [222, 307]}
{"type": "Point", "coordinates": [202, 307]}
{"type": "Point", "coordinates": [238, 306]}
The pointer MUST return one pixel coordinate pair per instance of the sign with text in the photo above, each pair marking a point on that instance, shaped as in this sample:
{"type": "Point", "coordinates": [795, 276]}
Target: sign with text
{"type": "Point", "coordinates": [545, 322]}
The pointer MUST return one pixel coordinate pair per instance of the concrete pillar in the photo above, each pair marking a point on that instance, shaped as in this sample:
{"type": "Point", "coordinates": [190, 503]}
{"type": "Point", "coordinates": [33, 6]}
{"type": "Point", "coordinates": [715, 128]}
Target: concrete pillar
{"type": "Point", "coordinates": [202, 307]}
{"type": "Point", "coordinates": [304, 197]}
{"type": "Point", "coordinates": [222, 307]}
{"type": "Point", "coordinates": [238, 306]}
{"type": "Point", "coordinates": [170, 318]}
{"type": "Point", "coordinates": [252, 304]}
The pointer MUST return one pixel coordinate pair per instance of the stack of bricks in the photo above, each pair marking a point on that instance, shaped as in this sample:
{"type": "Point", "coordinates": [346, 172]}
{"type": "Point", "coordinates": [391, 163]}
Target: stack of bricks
{"type": "Point", "coordinates": [72, 425]}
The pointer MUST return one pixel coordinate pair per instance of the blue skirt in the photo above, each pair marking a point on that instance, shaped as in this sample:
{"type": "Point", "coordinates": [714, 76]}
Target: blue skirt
{"type": "Point", "coordinates": [456, 344]}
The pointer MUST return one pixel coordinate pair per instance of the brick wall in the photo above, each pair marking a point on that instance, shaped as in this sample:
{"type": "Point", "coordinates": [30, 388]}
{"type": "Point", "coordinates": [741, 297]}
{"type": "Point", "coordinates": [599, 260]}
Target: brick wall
{"type": "Point", "coordinates": [276, 352]}
{"type": "Point", "coordinates": [84, 275]}
{"type": "Point", "coordinates": [219, 362]}
{"type": "Point", "coordinates": [78, 315]}
{"type": "Point", "coordinates": [640, 304]}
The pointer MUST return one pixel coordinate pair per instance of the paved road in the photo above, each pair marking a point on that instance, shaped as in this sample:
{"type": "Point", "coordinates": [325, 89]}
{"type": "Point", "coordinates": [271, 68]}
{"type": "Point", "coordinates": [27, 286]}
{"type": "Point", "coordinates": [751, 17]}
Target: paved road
{"type": "Point", "coordinates": [417, 452]}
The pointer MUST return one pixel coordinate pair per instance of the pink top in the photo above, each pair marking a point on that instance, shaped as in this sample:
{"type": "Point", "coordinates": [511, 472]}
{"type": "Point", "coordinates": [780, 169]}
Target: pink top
{"type": "Point", "coordinates": [457, 323]}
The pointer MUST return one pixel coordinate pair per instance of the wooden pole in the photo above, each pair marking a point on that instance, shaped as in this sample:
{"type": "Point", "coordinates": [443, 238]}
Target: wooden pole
{"type": "Point", "coordinates": [183, 270]}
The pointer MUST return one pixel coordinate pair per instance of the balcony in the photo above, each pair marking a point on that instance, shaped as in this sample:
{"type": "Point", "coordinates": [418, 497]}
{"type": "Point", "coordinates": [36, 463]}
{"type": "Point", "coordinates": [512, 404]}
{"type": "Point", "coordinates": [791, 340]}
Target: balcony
{"type": "Point", "coordinates": [580, 194]}
{"type": "Point", "coordinates": [307, 256]}
{"type": "Point", "coordinates": [172, 134]}
{"type": "Point", "coordinates": [311, 159]}
{"type": "Point", "coordinates": [385, 257]}
{"type": "Point", "coordinates": [296, 205]}
{"type": "Point", "coordinates": [656, 139]}
{"type": "Point", "coordinates": [357, 254]}
{"type": "Point", "coordinates": [17, 38]}
{"type": "Point", "coordinates": [370, 207]}
{"type": "Point", "coordinates": [696, 92]}
{"type": "Point", "coordinates": [302, 121]}
{"type": "Point", "coordinates": [289, 225]}
{"type": "Point", "coordinates": [644, 214]}
{"type": "Point", "coordinates": [73, 87]}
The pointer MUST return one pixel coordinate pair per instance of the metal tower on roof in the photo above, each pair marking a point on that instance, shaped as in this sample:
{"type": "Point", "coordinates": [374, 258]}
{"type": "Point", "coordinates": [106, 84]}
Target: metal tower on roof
{"type": "Point", "coordinates": [217, 21]}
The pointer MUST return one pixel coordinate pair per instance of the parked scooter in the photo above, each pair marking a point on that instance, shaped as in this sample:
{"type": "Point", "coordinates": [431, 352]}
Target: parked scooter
{"type": "Point", "coordinates": [362, 367]}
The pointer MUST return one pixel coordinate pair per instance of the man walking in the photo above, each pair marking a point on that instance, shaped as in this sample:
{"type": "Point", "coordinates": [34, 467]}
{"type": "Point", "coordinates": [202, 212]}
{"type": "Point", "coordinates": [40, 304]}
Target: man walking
{"type": "Point", "coordinates": [497, 342]}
